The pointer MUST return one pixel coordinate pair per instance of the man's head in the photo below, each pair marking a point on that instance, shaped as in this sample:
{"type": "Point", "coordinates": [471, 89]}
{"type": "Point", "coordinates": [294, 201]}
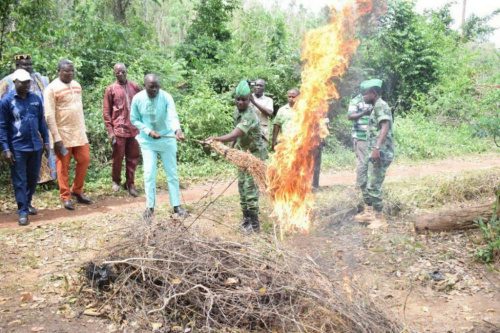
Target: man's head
{"type": "Point", "coordinates": [120, 71]}
{"type": "Point", "coordinates": [371, 90]}
{"type": "Point", "coordinates": [242, 95]}
{"type": "Point", "coordinates": [152, 85]}
{"type": "Point", "coordinates": [23, 61]}
{"type": "Point", "coordinates": [22, 81]}
{"type": "Point", "coordinates": [259, 88]}
{"type": "Point", "coordinates": [65, 70]}
{"type": "Point", "coordinates": [292, 96]}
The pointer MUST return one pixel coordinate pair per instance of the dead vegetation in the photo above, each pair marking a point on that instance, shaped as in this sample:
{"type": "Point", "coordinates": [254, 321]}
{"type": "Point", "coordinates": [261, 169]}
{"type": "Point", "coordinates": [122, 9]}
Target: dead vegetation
{"type": "Point", "coordinates": [244, 161]}
{"type": "Point", "coordinates": [166, 277]}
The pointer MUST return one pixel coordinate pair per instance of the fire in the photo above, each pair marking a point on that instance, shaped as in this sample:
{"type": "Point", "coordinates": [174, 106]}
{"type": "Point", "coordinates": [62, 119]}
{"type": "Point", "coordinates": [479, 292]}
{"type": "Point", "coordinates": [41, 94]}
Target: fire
{"type": "Point", "coordinates": [325, 55]}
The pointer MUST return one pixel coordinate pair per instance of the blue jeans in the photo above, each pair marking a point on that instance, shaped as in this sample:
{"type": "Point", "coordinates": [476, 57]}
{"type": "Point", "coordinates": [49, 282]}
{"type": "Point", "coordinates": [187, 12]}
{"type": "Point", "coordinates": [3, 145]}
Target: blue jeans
{"type": "Point", "coordinates": [24, 174]}
{"type": "Point", "coordinates": [169, 161]}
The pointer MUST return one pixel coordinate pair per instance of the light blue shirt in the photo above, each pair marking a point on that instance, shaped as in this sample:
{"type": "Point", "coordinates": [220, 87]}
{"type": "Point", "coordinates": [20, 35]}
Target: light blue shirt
{"type": "Point", "coordinates": [154, 114]}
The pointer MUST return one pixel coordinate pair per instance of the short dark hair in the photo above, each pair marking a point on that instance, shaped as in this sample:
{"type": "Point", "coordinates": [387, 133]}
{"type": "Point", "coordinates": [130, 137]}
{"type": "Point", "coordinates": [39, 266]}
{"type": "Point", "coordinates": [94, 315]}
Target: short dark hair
{"type": "Point", "coordinates": [62, 63]}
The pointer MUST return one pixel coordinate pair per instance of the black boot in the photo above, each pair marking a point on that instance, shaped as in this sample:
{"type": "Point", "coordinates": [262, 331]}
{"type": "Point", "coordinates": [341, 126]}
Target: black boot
{"type": "Point", "coordinates": [254, 221]}
{"type": "Point", "coordinates": [245, 222]}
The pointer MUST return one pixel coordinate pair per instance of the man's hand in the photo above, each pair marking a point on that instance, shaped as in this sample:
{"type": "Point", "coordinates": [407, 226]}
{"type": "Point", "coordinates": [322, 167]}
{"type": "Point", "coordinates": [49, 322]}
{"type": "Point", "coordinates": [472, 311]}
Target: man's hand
{"type": "Point", "coordinates": [179, 135]}
{"type": "Point", "coordinates": [252, 99]}
{"type": "Point", "coordinates": [9, 157]}
{"type": "Point", "coordinates": [60, 149]}
{"type": "Point", "coordinates": [154, 135]}
{"type": "Point", "coordinates": [375, 155]}
{"type": "Point", "coordinates": [367, 110]}
{"type": "Point", "coordinates": [46, 149]}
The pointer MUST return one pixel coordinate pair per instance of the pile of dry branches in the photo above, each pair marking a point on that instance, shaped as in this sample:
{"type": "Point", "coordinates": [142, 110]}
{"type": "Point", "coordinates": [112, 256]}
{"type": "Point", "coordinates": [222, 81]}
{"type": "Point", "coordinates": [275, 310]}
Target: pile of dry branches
{"type": "Point", "coordinates": [245, 161]}
{"type": "Point", "coordinates": [167, 277]}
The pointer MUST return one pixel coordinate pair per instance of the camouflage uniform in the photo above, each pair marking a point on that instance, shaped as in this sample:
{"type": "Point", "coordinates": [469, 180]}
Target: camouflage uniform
{"type": "Point", "coordinates": [359, 135]}
{"type": "Point", "coordinates": [251, 141]}
{"type": "Point", "coordinates": [371, 183]}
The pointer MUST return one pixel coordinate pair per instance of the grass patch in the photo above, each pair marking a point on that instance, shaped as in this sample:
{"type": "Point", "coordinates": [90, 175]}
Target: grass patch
{"type": "Point", "coordinates": [435, 191]}
{"type": "Point", "coordinates": [419, 138]}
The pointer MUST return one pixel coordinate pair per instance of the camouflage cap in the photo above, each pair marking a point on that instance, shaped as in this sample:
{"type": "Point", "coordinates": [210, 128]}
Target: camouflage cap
{"type": "Point", "coordinates": [365, 85]}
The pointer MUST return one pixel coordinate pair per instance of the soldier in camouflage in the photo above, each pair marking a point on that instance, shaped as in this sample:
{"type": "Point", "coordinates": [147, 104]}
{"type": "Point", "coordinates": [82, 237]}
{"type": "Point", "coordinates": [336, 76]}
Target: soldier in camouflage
{"type": "Point", "coordinates": [247, 135]}
{"type": "Point", "coordinates": [359, 113]}
{"type": "Point", "coordinates": [381, 155]}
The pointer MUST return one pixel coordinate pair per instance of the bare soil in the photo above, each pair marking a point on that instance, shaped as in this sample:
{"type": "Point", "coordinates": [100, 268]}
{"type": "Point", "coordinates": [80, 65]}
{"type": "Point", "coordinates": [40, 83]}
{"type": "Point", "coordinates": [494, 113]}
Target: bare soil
{"type": "Point", "coordinates": [430, 282]}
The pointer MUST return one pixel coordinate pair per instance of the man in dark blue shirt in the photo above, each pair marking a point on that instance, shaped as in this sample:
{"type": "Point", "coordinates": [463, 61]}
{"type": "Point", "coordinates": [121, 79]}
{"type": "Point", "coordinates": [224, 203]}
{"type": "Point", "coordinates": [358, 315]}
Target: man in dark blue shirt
{"type": "Point", "coordinates": [23, 137]}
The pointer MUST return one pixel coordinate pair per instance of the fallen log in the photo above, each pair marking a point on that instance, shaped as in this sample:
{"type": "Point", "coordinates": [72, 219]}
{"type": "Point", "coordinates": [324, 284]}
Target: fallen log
{"type": "Point", "coordinates": [454, 219]}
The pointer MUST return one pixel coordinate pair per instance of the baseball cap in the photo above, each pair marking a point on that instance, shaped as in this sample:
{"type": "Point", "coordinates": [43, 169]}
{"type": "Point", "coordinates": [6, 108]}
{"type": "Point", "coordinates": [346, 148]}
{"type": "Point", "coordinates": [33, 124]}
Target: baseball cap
{"type": "Point", "coordinates": [21, 75]}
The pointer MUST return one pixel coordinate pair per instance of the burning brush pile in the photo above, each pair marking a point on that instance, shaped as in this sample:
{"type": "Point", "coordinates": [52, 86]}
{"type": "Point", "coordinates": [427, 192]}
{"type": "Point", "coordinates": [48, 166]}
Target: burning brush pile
{"type": "Point", "coordinates": [168, 279]}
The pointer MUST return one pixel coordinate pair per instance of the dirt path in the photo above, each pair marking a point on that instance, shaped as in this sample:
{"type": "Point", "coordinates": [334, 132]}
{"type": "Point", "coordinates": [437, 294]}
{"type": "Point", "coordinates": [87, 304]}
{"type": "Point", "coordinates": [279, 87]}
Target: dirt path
{"type": "Point", "coordinates": [396, 173]}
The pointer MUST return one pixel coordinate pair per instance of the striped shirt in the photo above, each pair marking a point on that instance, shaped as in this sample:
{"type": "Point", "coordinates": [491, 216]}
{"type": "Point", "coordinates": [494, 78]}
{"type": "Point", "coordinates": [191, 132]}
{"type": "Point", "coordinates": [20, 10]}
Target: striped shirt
{"type": "Point", "coordinates": [64, 113]}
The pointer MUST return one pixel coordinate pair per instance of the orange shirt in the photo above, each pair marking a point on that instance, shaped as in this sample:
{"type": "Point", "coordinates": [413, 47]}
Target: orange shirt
{"type": "Point", "coordinates": [64, 113]}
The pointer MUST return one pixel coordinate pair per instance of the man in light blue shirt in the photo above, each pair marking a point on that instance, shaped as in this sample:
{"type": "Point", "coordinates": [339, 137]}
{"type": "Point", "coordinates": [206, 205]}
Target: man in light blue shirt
{"type": "Point", "coordinates": [153, 113]}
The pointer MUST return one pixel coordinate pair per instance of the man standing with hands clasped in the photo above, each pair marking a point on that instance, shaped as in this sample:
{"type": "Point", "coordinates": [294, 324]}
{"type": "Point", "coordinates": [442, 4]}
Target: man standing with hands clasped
{"type": "Point", "coordinates": [116, 113]}
{"type": "Point", "coordinates": [23, 136]}
{"type": "Point", "coordinates": [154, 115]}
{"type": "Point", "coordinates": [264, 108]}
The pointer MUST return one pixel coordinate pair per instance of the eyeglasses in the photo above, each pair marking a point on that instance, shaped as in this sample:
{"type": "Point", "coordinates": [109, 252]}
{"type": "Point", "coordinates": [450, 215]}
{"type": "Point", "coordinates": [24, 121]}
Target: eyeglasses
{"type": "Point", "coordinates": [22, 57]}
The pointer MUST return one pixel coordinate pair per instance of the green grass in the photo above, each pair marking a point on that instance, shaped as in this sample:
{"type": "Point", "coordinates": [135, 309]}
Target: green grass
{"type": "Point", "coordinates": [420, 138]}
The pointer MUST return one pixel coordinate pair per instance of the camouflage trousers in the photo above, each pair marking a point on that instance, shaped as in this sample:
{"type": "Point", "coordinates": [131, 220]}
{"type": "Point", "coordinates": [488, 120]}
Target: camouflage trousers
{"type": "Point", "coordinates": [249, 192]}
{"type": "Point", "coordinates": [371, 182]}
{"type": "Point", "coordinates": [360, 148]}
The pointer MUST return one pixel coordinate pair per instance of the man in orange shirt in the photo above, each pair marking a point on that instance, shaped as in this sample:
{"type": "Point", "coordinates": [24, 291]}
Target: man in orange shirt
{"type": "Point", "coordinates": [116, 113]}
{"type": "Point", "coordinates": [65, 119]}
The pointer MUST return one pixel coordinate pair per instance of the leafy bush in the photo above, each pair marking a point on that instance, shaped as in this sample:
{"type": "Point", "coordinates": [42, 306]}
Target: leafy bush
{"type": "Point", "coordinates": [491, 234]}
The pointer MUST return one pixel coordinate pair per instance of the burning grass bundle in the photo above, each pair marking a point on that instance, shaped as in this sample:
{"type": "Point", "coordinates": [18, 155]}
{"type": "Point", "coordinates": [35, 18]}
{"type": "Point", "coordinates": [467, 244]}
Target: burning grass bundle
{"type": "Point", "coordinates": [167, 277]}
{"type": "Point", "coordinates": [245, 161]}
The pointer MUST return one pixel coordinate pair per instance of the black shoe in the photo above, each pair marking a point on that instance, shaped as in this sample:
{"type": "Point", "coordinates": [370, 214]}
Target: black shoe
{"type": "Point", "coordinates": [68, 204]}
{"type": "Point", "coordinates": [133, 191]}
{"type": "Point", "coordinates": [181, 212]}
{"type": "Point", "coordinates": [23, 219]}
{"type": "Point", "coordinates": [82, 198]}
{"type": "Point", "coordinates": [148, 214]}
{"type": "Point", "coordinates": [32, 210]}
{"type": "Point", "coordinates": [246, 220]}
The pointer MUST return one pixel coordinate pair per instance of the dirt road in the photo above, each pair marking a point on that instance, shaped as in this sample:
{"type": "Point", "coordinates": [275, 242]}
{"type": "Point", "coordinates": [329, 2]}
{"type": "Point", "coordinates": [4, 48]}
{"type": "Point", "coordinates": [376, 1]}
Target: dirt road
{"type": "Point", "coordinates": [396, 173]}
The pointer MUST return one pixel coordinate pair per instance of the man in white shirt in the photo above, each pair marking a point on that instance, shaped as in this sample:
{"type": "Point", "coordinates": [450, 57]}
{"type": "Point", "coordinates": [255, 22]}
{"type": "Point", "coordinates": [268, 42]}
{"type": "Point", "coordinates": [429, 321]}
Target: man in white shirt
{"type": "Point", "coordinates": [264, 108]}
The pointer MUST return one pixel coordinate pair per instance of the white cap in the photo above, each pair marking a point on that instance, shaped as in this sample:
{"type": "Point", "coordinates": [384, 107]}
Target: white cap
{"type": "Point", "coordinates": [21, 75]}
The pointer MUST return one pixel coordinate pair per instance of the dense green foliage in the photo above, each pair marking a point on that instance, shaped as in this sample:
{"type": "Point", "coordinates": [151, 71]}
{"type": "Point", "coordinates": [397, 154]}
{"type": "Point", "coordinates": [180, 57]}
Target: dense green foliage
{"type": "Point", "coordinates": [491, 234]}
{"type": "Point", "coordinates": [444, 83]}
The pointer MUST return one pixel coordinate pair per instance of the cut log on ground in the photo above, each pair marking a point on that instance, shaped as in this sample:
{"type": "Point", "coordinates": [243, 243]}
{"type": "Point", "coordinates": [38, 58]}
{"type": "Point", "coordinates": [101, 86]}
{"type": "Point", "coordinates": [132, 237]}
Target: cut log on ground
{"type": "Point", "coordinates": [454, 219]}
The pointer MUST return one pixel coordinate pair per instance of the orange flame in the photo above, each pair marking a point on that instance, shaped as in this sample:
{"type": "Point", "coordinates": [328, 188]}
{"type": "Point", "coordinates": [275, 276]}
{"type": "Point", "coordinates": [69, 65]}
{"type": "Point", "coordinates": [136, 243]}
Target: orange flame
{"type": "Point", "coordinates": [325, 54]}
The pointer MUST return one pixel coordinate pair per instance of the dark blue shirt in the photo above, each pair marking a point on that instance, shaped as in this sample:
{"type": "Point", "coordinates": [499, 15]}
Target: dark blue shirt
{"type": "Point", "coordinates": [22, 123]}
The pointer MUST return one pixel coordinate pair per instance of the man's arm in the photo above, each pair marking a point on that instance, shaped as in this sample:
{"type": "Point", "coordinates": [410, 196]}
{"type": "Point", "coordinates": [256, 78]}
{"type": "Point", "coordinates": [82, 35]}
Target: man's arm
{"type": "Point", "coordinates": [172, 117]}
{"type": "Point", "coordinates": [50, 113]}
{"type": "Point", "coordinates": [355, 113]}
{"type": "Point", "coordinates": [235, 133]}
{"type": "Point", "coordinates": [42, 126]}
{"type": "Point", "coordinates": [107, 110]}
{"type": "Point", "coordinates": [4, 138]}
{"type": "Point", "coordinates": [265, 109]}
{"type": "Point", "coordinates": [276, 131]}
{"type": "Point", "coordinates": [384, 129]}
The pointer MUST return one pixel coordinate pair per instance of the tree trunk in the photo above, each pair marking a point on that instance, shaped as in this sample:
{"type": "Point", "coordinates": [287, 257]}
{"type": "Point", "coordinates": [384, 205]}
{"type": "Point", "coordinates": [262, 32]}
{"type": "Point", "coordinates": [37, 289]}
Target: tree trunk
{"type": "Point", "coordinates": [457, 219]}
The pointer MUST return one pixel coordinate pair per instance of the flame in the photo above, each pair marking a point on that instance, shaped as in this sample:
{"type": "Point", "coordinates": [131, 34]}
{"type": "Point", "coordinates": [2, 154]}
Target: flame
{"type": "Point", "coordinates": [325, 55]}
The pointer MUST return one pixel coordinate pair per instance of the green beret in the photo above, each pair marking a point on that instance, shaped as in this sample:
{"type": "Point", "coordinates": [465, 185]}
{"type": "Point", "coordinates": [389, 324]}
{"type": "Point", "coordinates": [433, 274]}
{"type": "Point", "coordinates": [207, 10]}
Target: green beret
{"type": "Point", "coordinates": [365, 85]}
{"type": "Point", "coordinates": [243, 89]}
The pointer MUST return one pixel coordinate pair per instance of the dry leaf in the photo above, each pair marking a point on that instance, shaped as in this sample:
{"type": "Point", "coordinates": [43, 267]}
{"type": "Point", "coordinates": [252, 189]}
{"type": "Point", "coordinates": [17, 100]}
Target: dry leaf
{"type": "Point", "coordinates": [91, 312]}
{"type": "Point", "coordinates": [37, 329]}
{"type": "Point", "coordinates": [262, 291]}
{"type": "Point", "coordinates": [230, 281]}
{"type": "Point", "coordinates": [176, 281]}
{"type": "Point", "coordinates": [26, 297]}
{"type": "Point", "coordinates": [156, 326]}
